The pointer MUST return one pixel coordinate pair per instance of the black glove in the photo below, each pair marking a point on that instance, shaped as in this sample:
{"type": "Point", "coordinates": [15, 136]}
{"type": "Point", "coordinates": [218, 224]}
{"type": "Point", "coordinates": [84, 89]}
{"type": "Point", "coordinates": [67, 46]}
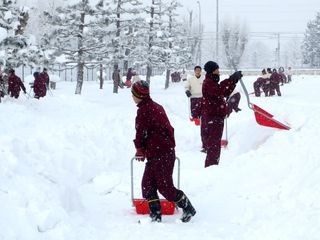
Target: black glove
{"type": "Point", "coordinates": [236, 76]}
{"type": "Point", "coordinates": [188, 93]}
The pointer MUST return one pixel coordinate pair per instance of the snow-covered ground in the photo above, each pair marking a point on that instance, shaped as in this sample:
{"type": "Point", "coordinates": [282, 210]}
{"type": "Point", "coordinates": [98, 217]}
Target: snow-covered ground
{"type": "Point", "coordinates": [65, 167]}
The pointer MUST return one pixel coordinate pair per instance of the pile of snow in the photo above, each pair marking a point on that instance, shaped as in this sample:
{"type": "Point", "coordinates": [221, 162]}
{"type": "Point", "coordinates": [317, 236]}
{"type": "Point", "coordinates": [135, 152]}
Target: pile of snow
{"type": "Point", "coordinates": [65, 167]}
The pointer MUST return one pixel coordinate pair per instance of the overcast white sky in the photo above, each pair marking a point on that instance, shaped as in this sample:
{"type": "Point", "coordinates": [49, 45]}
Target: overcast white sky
{"type": "Point", "coordinates": [260, 16]}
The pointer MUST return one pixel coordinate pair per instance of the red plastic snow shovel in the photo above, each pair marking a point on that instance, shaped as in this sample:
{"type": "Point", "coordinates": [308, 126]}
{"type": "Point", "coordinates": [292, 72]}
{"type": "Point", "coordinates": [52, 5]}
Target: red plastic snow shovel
{"type": "Point", "coordinates": [141, 205]}
{"type": "Point", "coordinates": [263, 117]}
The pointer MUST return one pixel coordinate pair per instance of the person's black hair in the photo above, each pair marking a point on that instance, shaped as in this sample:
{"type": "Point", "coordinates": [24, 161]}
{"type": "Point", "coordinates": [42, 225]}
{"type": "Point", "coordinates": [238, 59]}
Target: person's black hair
{"type": "Point", "coordinates": [197, 67]}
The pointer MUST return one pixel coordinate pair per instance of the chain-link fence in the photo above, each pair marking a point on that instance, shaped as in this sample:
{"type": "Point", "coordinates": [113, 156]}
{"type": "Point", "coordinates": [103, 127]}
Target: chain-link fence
{"type": "Point", "coordinates": [68, 72]}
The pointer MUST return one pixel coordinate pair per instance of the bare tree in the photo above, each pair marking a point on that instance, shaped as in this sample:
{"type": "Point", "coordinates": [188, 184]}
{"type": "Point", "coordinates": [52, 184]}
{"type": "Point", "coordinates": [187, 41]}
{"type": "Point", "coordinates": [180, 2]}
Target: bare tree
{"type": "Point", "coordinates": [234, 41]}
{"type": "Point", "coordinates": [257, 55]}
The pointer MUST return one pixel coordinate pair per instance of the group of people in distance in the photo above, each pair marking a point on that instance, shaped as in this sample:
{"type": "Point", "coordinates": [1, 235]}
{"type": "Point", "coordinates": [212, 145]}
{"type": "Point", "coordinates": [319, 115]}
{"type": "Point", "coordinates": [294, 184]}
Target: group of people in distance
{"type": "Point", "coordinates": [177, 76]}
{"type": "Point", "coordinates": [11, 84]}
{"type": "Point", "coordinates": [270, 81]}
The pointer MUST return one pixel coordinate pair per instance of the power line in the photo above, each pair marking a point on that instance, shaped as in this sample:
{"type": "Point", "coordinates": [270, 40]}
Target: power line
{"type": "Point", "coordinates": [265, 33]}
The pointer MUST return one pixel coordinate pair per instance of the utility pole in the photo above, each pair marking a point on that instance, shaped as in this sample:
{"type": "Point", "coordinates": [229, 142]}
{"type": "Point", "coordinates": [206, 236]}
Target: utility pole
{"type": "Point", "coordinates": [217, 31]}
{"type": "Point", "coordinates": [191, 42]}
{"type": "Point", "coordinates": [160, 14]}
{"type": "Point", "coordinates": [190, 21]}
{"type": "Point", "coordinates": [199, 32]}
{"type": "Point", "coordinates": [278, 53]}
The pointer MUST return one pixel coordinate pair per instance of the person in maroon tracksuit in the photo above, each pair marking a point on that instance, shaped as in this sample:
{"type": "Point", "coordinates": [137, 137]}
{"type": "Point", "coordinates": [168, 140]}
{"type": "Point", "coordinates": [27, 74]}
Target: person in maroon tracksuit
{"type": "Point", "coordinates": [283, 76]}
{"type": "Point", "coordinates": [39, 85]}
{"type": "Point", "coordinates": [215, 109]}
{"type": "Point", "coordinates": [117, 79]}
{"type": "Point", "coordinates": [44, 74]}
{"type": "Point", "coordinates": [155, 142]}
{"type": "Point", "coordinates": [15, 84]}
{"type": "Point", "coordinates": [129, 76]}
{"type": "Point", "coordinates": [275, 80]}
{"type": "Point", "coordinates": [259, 83]}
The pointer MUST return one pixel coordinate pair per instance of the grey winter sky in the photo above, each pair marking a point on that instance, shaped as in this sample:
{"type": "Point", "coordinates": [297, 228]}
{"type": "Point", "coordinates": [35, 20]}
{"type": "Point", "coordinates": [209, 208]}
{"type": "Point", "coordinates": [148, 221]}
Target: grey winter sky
{"type": "Point", "coordinates": [260, 16]}
{"type": "Point", "coordinates": [263, 19]}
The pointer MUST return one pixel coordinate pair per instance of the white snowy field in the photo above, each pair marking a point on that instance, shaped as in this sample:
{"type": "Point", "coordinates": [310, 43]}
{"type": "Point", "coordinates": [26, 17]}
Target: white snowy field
{"type": "Point", "coordinates": [65, 167]}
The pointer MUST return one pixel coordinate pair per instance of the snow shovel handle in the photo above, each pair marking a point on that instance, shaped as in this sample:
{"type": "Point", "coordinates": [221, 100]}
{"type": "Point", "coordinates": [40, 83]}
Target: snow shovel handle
{"type": "Point", "coordinates": [256, 110]}
{"type": "Point", "coordinates": [132, 191]}
{"type": "Point", "coordinates": [244, 88]}
{"type": "Point", "coordinates": [246, 93]}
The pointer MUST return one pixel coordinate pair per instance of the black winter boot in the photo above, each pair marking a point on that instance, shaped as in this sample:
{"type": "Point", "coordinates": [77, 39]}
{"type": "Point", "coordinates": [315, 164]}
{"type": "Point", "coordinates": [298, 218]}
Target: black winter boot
{"type": "Point", "coordinates": [185, 204]}
{"type": "Point", "coordinates": [155, 210]}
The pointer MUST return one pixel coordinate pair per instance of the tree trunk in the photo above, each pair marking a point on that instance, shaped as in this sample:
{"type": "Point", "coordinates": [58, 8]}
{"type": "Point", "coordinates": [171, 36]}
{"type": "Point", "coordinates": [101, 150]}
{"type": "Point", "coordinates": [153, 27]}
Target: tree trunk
{"type": "Point", "coordinates": [167, 79]}
{"type": "Point", "coordinates": [101, 76]}
{"type": "Point", "coordinates": [117, 41]}
{"type": "Point", "coordinates": [127, 53]}
{"type": "Point", "coordinates": [80, 56]}
{"type": "Point", "coordinates": [170, 47]}
{"type": "Point", "coordinates": [125, 66]}
{"type": "Point", "coordinates": [149, 72]}
{"type": "Point", "coordinates": [79, 78]}
{"type": "Point", "coordinates": [150, 43]}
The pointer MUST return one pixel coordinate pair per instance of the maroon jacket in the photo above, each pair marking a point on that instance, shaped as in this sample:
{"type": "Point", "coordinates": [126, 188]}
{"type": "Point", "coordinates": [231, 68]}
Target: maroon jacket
{"type": "Point", "coordinates": [130, 74]}
{"type": "Point", "coordinates": [45, 77]}
{"type": "Point", "coordinates": [39, 86]}
{"type": "Point", "coordinates": [214, 94]}
{"type": "Point", "coordinates": [275, 78]}
{"type": "Point", "coordinates": [15, 85]}
{"type": "Point", "coordinates": [154, 133]}
{"type": "Point", "coordinates": [283, 77]}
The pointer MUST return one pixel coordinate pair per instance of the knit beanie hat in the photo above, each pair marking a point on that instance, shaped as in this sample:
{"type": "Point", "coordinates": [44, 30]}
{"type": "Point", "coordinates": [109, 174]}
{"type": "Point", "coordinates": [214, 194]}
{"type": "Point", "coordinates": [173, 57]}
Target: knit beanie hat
{"type": "Point", "coordinates": [36, 74]}
{"type": "Point", "coordinates": [140, 89]}
{"type": "Point", "coordinates": [211, 66]}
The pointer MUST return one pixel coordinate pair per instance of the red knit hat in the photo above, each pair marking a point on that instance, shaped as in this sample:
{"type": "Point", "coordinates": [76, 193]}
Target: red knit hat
{"type": "Point", "coordinates": [140, 89]}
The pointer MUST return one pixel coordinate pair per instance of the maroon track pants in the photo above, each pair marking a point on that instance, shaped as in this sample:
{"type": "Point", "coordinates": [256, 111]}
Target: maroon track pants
{"type": "Point", "coordinates": [211, 134]}
{"type": "Point", "coordinates": [196, 104]}
{"type": "Point", "coordinates": [158, 176]}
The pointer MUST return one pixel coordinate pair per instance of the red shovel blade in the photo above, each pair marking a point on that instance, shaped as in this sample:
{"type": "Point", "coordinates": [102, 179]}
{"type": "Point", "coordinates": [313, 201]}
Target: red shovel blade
{"type": "Point", "coordinates": [266, 119]}
{"type": "Point", "coordinates": [142, 207]}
